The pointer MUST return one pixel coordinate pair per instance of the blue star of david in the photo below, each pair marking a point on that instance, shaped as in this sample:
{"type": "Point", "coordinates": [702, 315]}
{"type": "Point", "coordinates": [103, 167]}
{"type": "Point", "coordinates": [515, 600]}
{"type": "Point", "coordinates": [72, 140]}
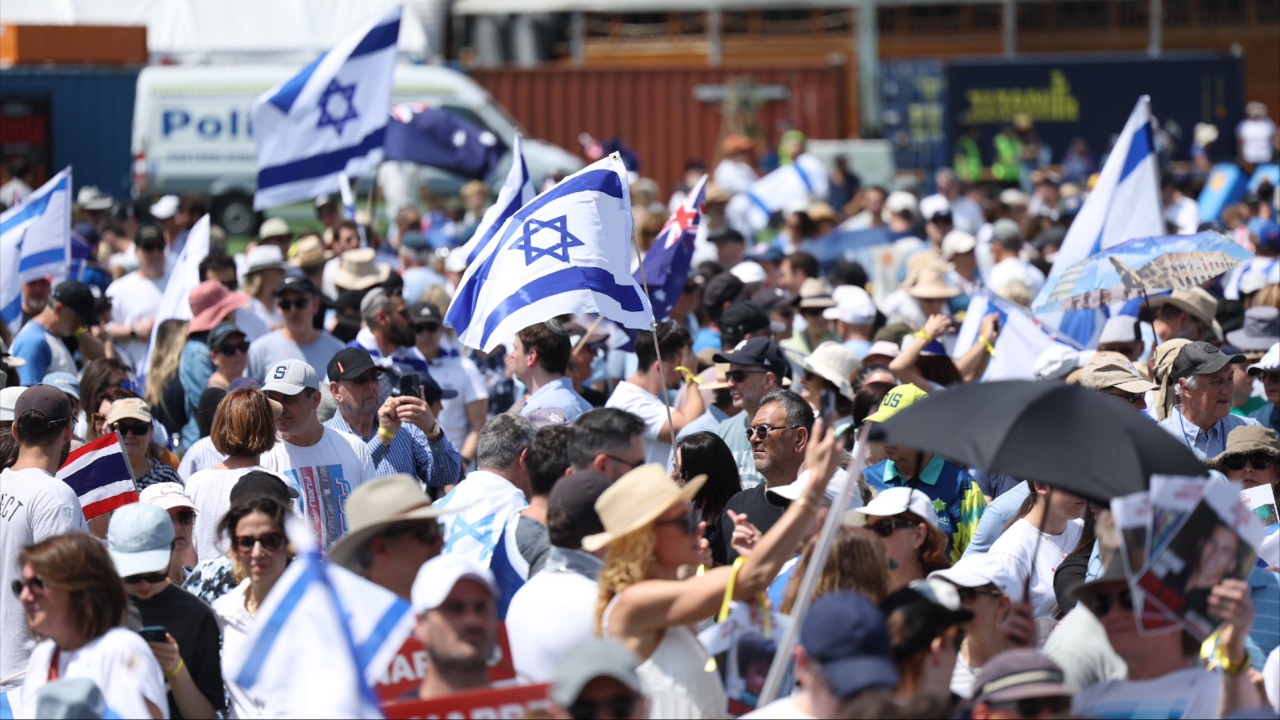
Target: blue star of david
{"type": "Point", "coordinates": [559, 251]}
{"type": "Point", "coordinates": [347, 93]}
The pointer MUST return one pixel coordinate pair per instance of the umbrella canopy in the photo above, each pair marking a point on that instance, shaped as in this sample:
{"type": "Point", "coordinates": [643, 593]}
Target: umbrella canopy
{"type": "Point", "coordinates": [1141, 267]}
{"type": "Point", "coordinates": [1065, 435]}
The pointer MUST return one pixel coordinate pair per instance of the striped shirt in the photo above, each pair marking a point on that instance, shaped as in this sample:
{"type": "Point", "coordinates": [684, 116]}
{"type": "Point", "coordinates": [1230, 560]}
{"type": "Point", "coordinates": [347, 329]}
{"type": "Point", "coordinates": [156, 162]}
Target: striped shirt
{"type": "Point", "coordinates": [435, 462]}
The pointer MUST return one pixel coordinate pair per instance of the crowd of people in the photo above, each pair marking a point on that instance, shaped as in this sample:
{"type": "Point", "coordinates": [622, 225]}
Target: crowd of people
{"type": "Point", "coordinates": [603, 504]}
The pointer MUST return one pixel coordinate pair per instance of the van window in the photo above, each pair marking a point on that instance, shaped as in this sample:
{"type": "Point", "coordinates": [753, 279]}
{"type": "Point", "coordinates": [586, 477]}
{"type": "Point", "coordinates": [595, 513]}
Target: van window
{"type": "Point", "coordinates": [468, 115]}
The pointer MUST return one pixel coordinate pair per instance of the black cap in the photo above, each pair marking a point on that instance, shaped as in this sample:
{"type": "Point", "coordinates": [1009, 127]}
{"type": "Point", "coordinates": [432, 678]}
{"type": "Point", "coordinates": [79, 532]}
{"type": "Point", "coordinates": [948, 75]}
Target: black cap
{"type": "Point", "coordinates": [221, 332]}
{"type": "Point", "coordinates": [77, 296]}
{"type": "Point", "coordinates": [48, 400]}
{"type": "Point", "coordinates": [426, 312]}
{"type": "Point", "coordinates": [1201, 358]}
{"type": "Point", "coordinates": [261, 482]}
{"type": "Point", "coordinates": [575, 495]}
{"type": "Point", "coordinates": [744, 317]}
{"type": "Point", "coordinates": [148, 235]}
{"type": "Point", "coordinates": [296, 284]}
{"type": "Point", "coordinates": [758, 352]}
{"type": "Point", "coordinates": [351, 363]}
{"type": "Point", "coordinates": [726, 235]}
{"type": "Point", "coordinates": [721, 289]}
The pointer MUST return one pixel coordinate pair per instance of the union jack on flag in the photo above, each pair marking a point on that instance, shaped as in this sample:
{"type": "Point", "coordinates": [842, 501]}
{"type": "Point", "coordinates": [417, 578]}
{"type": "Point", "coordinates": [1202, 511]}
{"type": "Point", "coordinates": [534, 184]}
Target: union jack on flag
{"type": "Point", "coordinates": [666, 265]}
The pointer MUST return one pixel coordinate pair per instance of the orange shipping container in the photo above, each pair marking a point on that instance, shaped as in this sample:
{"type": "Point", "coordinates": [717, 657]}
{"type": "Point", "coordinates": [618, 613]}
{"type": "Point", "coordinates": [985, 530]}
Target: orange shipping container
{"type": "Point", "coordinates": [73, 45]}
{"type": "Point", "coordinates": [669, 116]}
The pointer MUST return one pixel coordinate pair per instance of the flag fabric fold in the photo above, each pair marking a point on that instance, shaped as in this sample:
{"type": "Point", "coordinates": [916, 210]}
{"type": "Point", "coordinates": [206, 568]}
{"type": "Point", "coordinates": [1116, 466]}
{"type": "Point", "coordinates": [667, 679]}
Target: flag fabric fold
{"type": "Point", "coordinates": [438, 138]}
{"type": "Point", "coordinates": [567, 251]}
{"type": "Point", "coordinates": [803, 180]}
{"type": "Point", "coordinates": [516, 192]}
{"type": "Point", "coordinates": [666, 266]}
{"type": "Point", "coordinates": [100, 475]}
{"type": "Point", "coordinates": [35, 242]}
{"type": "Point", "coordinates": [328, 119]}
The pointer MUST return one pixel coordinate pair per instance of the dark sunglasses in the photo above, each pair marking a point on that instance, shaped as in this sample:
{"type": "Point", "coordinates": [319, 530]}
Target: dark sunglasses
{"type": "Point", "coordinates": [426, 327]}
{"type": "Point", "coordinates": [1035, 707]}
{"type": "Point", "coordinates": [968, 594]}
{"type": "Point", "coordinates": [811, 312]}
{"type": "Point", "coordinates": [885, 528]}
{"type": "Point", "coordinates": [762, 431]}
{"type": "Point", "coordinates": [300, 304]}
{"type": "Point", "coordinates": [426, 533]}
{"type": "Point", "coordinates": [741, 375]}
{"type": "Point", "coordinates": [152, 247]}
{"type": "Point", "coordinates": [137, 429]}
{"type": "Point", "coordinates": [230, 349]}
{"type": "Point", "coordinates": [630, 464]}
{"type": "Point", "coordinates": [1259, 461]}
{"type": "Point", "coordinates": [1100, 605]}
{"type": "Point", "coordinates": [186, 517]}
{"type": "Point", "coordinates": [270, 541]}
{"type": "Point", "coordinates": [149, 578]}
{"type": "Point", "coordinates": [620, 707]}
{"type": "Point", "coordinates": [35, 583]}
{"type": "Point", "coordinates": [1131, 398]}
{"type": "Point", "coordinates": [687, 522]}
{"type": "Point", "coordinates": [365, 379]}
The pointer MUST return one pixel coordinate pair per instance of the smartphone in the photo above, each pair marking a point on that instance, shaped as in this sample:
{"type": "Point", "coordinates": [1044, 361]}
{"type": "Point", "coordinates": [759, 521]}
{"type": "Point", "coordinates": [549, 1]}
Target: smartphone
{"type": "Point", "coordinates": [409, 385]}
{"type": "Point", "coordinates": [828, 405]}
{"type": "Point", "coordinates": [154, 633]}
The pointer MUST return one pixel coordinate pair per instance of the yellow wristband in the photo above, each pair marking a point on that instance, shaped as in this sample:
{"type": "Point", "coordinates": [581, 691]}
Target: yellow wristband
{"type": "Point", "coordinates": [383, 432]}
{"type": "Point", "coordinates": [922, 334]}
{"type": "Point", "coordinates": [170, 674]}
{"type": "Point", "coordinates": [991, 350]}
{"type": "Point", "coordinates": [689, 377]}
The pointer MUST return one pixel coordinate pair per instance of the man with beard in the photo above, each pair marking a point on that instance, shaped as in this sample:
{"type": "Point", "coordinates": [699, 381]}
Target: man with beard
{"type": "Point", "coordinates": [34, 505]}
{"type": "Point", "coordinates": [453, 599]}
{"type": "Point", "coordinates": [388, 337]}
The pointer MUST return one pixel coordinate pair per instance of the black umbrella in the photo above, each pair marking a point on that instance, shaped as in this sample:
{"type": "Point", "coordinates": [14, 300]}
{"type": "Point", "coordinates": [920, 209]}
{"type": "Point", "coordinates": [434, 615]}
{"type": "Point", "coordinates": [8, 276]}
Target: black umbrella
{"type": "Point", "coordinates": [1064, 435]}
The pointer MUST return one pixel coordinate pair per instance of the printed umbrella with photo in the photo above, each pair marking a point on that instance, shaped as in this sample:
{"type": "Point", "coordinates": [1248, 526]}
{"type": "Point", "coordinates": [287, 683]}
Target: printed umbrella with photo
{"type": "Point", "coordinates": [1066, 436]}
{"type": "Point", "coordinates": [1139, 268]}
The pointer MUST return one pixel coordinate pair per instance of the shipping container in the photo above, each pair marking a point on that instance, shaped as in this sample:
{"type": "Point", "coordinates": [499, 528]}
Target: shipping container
{"type": "Point", "coordinates": [672, 115]}
{"type": "Point", "coordinates": [78, 116]}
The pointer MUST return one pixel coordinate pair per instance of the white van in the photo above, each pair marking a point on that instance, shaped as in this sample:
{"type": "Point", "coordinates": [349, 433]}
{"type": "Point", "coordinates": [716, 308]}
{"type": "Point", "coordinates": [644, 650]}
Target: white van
{"type": "Point", "coordinates": [192, 132]}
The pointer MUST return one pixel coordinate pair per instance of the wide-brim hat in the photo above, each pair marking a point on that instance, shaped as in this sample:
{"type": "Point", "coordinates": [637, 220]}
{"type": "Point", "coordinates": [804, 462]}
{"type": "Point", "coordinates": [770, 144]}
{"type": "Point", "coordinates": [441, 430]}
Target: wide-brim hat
{"type": "Point", "coordinates": [211, 301]}
{"type": "Point", "coordinates": [1197, 302]}
{"type": "Point", "coordinates": [1261, 328]}
{"type": "Point", "coordinates": [308, 252]}
{"type": "Point", "coordinates": [931, 284]}
{"type": "Point", "coordinates": [1245, 440]}
{"type": "Point", "coordinates": [815, 293]}
{"type": "Point", "coordinates": [834, 362]}
{"type": "Point", "coordinates": [636, 500]}
{"type": "Point", "coordinates": [357, 270]}
{"type": "Point", "coordinates": [376, 506]}
{"type": "Point", "coordinates": [1269, 362]}
{"type": "Point", "coordinates": [264, 257]}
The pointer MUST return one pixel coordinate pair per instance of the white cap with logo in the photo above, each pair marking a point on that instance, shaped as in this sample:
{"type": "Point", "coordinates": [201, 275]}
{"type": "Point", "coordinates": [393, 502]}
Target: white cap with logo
{"type": "Point", "coordinates": [290, 377]}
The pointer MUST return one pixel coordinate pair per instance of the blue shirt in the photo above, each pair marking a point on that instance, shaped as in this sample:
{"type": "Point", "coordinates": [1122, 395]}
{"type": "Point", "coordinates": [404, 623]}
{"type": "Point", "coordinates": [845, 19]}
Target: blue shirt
{"type": "Point", "coordinates": [558, 393]}
{"type": "Point", "coordinates": [32, 345]}
{"type": "Point", "coordinates": [1268, 416]}
{"type": "Point", "coordinates": [194, 370]}
{"type": "Point", "coordinates": [1264, 589]}
{"type": "Point", "coordinates": [706, 338]}
{"type": "Point", "coordinates": [996, 518]}
{"type": "Point", "coordinates": [1206, 444]}
{"type": "Point", "coordinates": [435, 462]}
{"type": "Point", "coordinates": [957, 499]}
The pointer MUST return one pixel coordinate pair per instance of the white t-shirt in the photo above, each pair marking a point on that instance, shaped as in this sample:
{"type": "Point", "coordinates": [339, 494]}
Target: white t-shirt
{"type": "Point", "coordinates": [236, 625]}
{"type": "Point", "coordinates": [1256, 137]}
{"type": "Point", "coordinates": [325, 474]}
{"type": "Point", "coordinates": [119, 661]}
{"type": "Point", "coordinates": [453, 372]}
{"type": "Point", "coordinates": [34, 505]}
{"type": "Point", "coordinates": [650, 408]}
{"type": "Point", "coordinates": [210, 491]}
{"type": "Point", "coordinates": [274, 347]}
{"type": "Point", "coordinates": [962, 678]}
{"type": "Point", "coordinates": [783, 709]}
{"type": "Point", "coordinates": [135, 298]}
{"type": "Point", "coordinates": [1190, 693]}
{"type": "Point", "coordinates": [549, 615]}
{"type": "Point", "coordinates": [1011, 269]}
{"type": "Point", "coordinates": [1021, 543]}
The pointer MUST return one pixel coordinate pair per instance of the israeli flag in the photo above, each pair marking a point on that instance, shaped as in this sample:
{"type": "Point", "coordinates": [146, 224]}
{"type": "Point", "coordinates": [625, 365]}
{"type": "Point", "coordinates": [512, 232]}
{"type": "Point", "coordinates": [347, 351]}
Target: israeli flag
{"type": "Point", "coordinates": [568, 251]}
{"type": "Point", "coordinates": [322, 638]}
{"type": "Point", "coordinates": [1123, 205]}
{"type": "Point", "coordinates": [516, 192]}
{"type": "Point", "coordinates": [1021, 340]}
{"type": "Point", "coordinates": [328, 119]}
{"type": "Point", "coordinates": [183, 278]}
{"type": "Point", "coordinates": [35, 242]}
{"type": "Point", "coordinates": [803, 180]}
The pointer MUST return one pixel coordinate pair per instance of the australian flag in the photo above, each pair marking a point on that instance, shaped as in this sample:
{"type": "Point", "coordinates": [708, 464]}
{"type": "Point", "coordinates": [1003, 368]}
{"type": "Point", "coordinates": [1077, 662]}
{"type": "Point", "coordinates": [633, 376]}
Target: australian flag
{"type": "Point", "coordinates": [666, 265]}
{"type": "Point", "coordinates": [438, 138]}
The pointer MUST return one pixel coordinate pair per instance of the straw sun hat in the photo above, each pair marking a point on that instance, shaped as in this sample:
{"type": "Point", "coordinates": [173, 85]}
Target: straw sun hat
{"type": "Point", "coordinates": [636, 500]}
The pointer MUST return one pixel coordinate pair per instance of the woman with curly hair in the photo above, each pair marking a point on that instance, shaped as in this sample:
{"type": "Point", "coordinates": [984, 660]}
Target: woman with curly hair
{"type": "Point", "coordinates": [907, 525]}
{"type": "Point", "coordinates": [651, 531]}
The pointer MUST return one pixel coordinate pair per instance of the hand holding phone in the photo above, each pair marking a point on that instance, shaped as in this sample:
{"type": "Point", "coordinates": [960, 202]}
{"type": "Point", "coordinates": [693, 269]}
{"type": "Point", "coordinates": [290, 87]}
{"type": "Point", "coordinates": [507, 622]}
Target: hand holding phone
{"type": "Point", "coordinates": [154, 633]}
{"type": "Point", "coordinates": [409, 385]}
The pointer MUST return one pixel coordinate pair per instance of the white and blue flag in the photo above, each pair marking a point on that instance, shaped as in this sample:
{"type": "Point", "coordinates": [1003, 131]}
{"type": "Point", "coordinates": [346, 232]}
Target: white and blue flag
{"type": "Point", "coordinates": [328, 119]}
{"type": "Point", "coordinates": [804, 180]}
{"type": "Point", "coordinates": [1021, 340]}
{"type": "Point", "coordinates": [567, 251]}
{"type": "Point", "coordinates": [322, 638]}
{"type": "Point", "coordinates": [184, 276]}
{"type": "Point", "coordinates": [1123, 205]}
{"type": "Point", "coordinates": [516, 192]}
{"type": "Point", "coordinates": [35, 242]}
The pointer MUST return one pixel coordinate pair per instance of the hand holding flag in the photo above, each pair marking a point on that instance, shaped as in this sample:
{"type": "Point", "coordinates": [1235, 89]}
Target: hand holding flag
{"type": "Point", "coordinates": [666, 266]}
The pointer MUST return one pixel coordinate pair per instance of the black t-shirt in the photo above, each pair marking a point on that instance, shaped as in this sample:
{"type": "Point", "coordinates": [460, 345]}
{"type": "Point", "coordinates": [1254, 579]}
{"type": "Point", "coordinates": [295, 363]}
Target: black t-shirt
{"type": "Point", "coordinates": [193, 627]}
{"type": "Point", "coordinates": [762, 509]}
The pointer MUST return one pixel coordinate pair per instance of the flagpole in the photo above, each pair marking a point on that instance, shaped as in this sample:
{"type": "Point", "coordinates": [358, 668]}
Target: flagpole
{"type": "Point", "coordinates": [653, 325]}
{"type": "Point", "coordinates": [373, 220]}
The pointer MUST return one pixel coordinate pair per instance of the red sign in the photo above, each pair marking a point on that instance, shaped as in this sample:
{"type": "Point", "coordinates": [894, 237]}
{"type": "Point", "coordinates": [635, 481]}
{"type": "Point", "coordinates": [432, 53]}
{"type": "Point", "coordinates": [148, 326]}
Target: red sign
{"type": "Point", "coordinates": [409, 666]}
{"type": "Point", "coordinates": [507, 703]}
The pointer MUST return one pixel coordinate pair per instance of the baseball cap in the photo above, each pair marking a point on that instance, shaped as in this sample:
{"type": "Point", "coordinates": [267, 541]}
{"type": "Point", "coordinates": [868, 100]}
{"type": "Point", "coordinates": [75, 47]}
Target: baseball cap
{"type": "Point", "coordinates": [590, 659]}
{"type": "Point", "coordinates": [72, 697]}
{"type": "Point", "coordinates": [770, 299]}
{"type": "Point", "coordinates": [935, 207]}
{"type": "Point", "coordinates": [129, 409]}
{"type": "Point", "coordinates": [721, 289]}
{"type": "Point", "coordinates": [221, 333]}
{"type": "Point", "coordinates": [957, 242]}
{"type": "Point", "coordinates": [426, 312]}
{"type": "Point", "coordinates": [67, 382]}
{"type": "Point", "coordinates": [77, 296]}
{"type": "Point", "coordinates": [925, 608]}
{"type": "Point", "coordinates": [1006, 232]}
{"type": "Point", "coordinates": [165, 208]}
{"type": "Point", "coordinates": [165, 495]}
{"type": "Point", "coordinates": [543, 416]}
{"type": "Point", "coordinates": [758, 352]}
{"type": "Point", "coordinates": [745, 317]}
{"type": "Point", "coordinates": [898, 399]}
{"type": "Point", "coordinates": [1112, 370]}
{"type": "Point", "coordinates": [438, 576]}
{"type": "Point", "coordinates": [884, 348]}
{"type": "Point", "coordinates": [901, 202]}
{"type": "Point", "coordinates": [47, 400]}
{"type": "Point", "coordinates": [1201, 358]}
{"type": "Point", "coordinates": [371, 298]}
{"type": "Point", "coordinates": [148, 235]}
{"type": "Point", "coordinates": [8, 400]}
{"type": "Point", "coordinates": [290, 377]}
{"type": "Point", "coordinates": [1020, 674]}
{"type": "Point", "coordinates": [1120, 329]}
{"type": "Point", "coordinates": [749, 272]}
{"type": "Point", "coordinates": [977, 570]}
{"type": "Point", "coordinates": [1269, 362]}
{"type": "Point", "coordinates": [846, 634]}
{"type": "Point", "coordinates": [575, 495]}
{"type": "Point", "coordinates": [296, 284]}
{"type": "Point", "coordinates": [140, 539]}
{"type": "Point", "coordinates": [350, 363]}
{"type": "Point", "coordinates": [261, 482]}
{"type": "Point", "coordinates": [894, 501]}
{"type": "Point", "coordinates": [853, 306]}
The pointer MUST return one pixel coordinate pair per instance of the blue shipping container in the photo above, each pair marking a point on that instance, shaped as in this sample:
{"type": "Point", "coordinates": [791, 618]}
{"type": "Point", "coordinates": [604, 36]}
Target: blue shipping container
{"type": "Point", "coordinates": [78, 116]}
{"type": "Point", "coordinates": [914, 97]}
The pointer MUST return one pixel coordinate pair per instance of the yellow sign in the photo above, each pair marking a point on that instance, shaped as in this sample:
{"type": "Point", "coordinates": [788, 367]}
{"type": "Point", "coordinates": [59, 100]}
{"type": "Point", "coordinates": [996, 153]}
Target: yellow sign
{"type": "Point", "coordinates": [1046, 104]}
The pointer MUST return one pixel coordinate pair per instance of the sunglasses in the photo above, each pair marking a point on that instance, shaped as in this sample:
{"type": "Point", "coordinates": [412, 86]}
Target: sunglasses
{"type": "Point", "coordinates": [230, 349]}
{"type": "Point", "coordinates": [149, 578]}
{"type": "Point", "coordinates": [426, 327]}
{"type": "Point", "coordinates": [762, 431]}
{"type": "Point", "coordinates": [968, 594]}
{"type": "Point", "coordinates": [811, 312]}
{"type": "Point", "coordinates": [186, 517]}
{"type": "Point", "coordinates": [885, 528]}
{"type": "Point", "coordinates": [687, 522]}
{"type": "Point", "coordinates": [35, 584]}
{"type": "Point", "coordinates": [1259, 461]}
{"type": "Point", "coordinates": [137, 429]}
{"type": "Point", "coordinates": [270, 541]}
{"type": "Point", "coordinates": [1035, 707]}
{"type": "Point", "coordinates": [151, 247]}
{"type": "Point", "coordinates": [1131, 398]}
{"type": "Point", "coordinates": [619, 707]}
{"type": "Point", "coordinates": [1100, 605]}
{"type": "Point", "coordinates": [741, 375]}
{"type": "Point", "coordinates": [629, 463]}
{"type": "Point", "coordinates": [365, 379]}
{"type": "Point", "coordinates": [427, 533]}
{"type": "Point", "coordinates": [299, 304]}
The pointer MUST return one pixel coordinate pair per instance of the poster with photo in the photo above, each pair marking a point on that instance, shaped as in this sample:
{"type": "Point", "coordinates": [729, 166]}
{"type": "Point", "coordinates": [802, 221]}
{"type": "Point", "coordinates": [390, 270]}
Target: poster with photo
{"type": "Point", "coordinates": [1261, 500]}
{"type": "Point", "coordinates": [1172, 498]}
{"type": "Point", "coordinates": [1218, 540]}
{"type": "Point", "coordinates": [1132, 514]}
{"type": "Point", "coordinates": [744, 644]}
